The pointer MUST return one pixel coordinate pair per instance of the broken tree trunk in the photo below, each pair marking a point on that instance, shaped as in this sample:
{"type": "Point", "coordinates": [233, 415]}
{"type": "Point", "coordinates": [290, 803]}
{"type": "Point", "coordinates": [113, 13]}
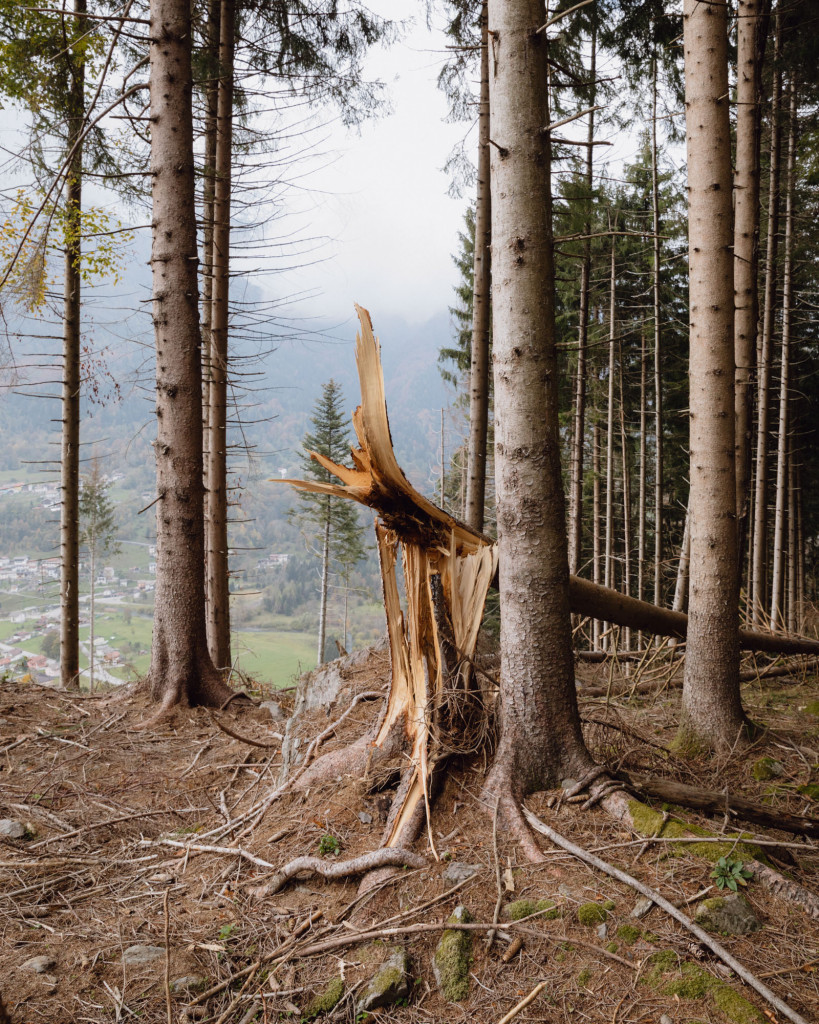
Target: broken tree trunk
{"type": "Point", "coordinates": [447, 572]}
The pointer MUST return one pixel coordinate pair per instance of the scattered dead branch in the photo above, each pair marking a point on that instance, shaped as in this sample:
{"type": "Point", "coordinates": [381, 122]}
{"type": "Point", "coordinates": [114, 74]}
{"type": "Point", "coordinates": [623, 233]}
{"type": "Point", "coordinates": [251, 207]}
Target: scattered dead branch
{"type": "Point", "coordinates": [385, 857]}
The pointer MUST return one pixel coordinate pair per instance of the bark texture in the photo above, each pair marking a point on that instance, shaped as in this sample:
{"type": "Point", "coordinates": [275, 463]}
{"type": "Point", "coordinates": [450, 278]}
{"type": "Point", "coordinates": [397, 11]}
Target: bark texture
{"type": "Point", "coordinates": [712, 715]}
{"type": "Point", "coordinates": [750, 50]}
{"type": "Point", "coordinates": [218, 589]}
{"type": "Point", "coordinates": [181, 669]}
{"type": "Point", "coordinates": [540, 734]}
{"type": "Point", "coordinates": [70, 441]}
{"type": "Point", "coordinates": [479, 370]}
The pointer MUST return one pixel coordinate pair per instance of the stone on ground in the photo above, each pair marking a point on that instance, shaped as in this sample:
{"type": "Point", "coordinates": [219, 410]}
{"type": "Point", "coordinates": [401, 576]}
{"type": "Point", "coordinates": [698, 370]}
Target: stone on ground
{"type": "Point", "coordinates": [450, 963]}
{"type": "Point", "coordinates": [389, 984]}
{"type": "Point", "coordinates": [142, 954]}
{"type": "Point", "coordinates": [727, 915]}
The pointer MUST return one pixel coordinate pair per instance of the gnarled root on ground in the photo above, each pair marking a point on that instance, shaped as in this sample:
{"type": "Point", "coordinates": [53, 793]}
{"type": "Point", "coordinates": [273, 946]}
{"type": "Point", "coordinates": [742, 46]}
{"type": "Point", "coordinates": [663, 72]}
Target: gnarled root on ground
{"type": "Point", "coordinates": [387, 856]}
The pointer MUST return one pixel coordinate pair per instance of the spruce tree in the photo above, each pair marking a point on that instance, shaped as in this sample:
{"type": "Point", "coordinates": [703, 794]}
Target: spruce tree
{"type": "Point", "coordinates": [330, 525]}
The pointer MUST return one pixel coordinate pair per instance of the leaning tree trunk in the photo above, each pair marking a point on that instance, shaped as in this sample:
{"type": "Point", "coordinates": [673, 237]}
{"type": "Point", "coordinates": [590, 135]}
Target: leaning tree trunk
{"type": "Point", "coordinates": [712, 715]}
{"type": "Point", "coordinates": [218, 580]}
{"type": "Point", "coordinates": [182, 671]}
{"type": "Point", "coordinates": [540, 735]}
{"type": "Point", "coordinates": [72, 348]}
{"type": "Point", "coordinates": [479, 373]}
{"type": "Point", "coordinates": [750, 52]}
{"type": "Point", "coordinates": [759, 546]}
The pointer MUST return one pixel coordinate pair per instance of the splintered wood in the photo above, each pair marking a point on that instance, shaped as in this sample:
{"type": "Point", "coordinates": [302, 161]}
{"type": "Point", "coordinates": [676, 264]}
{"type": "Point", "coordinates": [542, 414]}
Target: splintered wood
{"type": "Point", "coordinates": [447, 571]}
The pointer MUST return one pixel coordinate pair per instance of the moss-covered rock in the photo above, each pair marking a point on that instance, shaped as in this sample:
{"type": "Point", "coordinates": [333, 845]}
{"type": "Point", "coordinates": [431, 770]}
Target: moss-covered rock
{"type": "Point", "coordinates": [628, 933]}
{"type": "Point", "coordinates": [452, 958]}
{"type": "Point", "coordinates": [648, 822]}
{"type": "Point", "coordinates": [810, 790]}
{"type": "Point", "coordinates": [591, 914]}
{"type": "Point", "coordinates": [389, 984]}
{"type": "Point", "coordinates": [519, 909]}
{"type": "Point", "coordinates": [325, 1001]}
{"type": "Point", "coordinates": [767, 768]}
{"type": "Point", "coordinates": [687, 980]}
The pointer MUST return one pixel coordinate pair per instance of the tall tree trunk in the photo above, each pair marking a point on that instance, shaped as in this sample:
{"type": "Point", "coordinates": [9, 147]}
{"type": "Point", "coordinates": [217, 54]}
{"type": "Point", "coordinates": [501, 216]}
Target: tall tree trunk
{"type": "Point", "coordinates": [712, 715]}
{"type": "Point", "coordinates": [681, 588]}
{"type": "Point", "coordinates": [759, 548]}
{"type": "Point", "coordinates": [658, 363]}
{"type": "Point", "coordinates": [791, 517]}
{"type": "Point", "coordinates": [182, 671]}
{"type": "Point", "coordinates": [325, 581]}
{"type": "Point", "coordinates": [777, 619]}
{"type": "Point", "coordinates": [479, 372]}
{"type": "Point", "coordinates": [800, 547]}
{"type": "Point", "coordinates": [579, 435]}
{"type": "Point", "coordinates": [93, 556]}
{"type": "Point", "coordinates": [624, 462]}
{"type": "Point", "coordinates": [610, 579]}
{"type": "Point", "coordinates": [641, 489]}
{"type": "Point", "coordinates": [218, 579]}
{"type": "Point", "coordinates": [597, 554]}
{"type": "Point", "coordinates": [208, 192]}
{"type": "Point", "coordinates": [72, 348]}
{"type": "Point", "coordinates": [540, 735]}
{"type": "Point", "coordinates": [750, 53]}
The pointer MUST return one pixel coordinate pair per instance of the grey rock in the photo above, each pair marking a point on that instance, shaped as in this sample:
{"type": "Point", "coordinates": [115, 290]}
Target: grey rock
{"type": "Point", "coordinates": [602, 932]}
{"type": "Point", "coordinates": [40, 964]}
{"type": "Point", "coordinates": [51, 981]}
{"type": "Point", "coordinates": [390, 982]}
{"type": "Point", "coordinates": [11, 828]}
{"type": "Point", "coordinates": [142, 954]}
{"type": "Point", "coordinates": [187, 984]}
{"type": "Point", "coordinates": [665, 1019]}
{"type": "Point", "coordinates": [642, 907]}
{"type": "Point", "coordinates": [564, 890]}
{"type": "Point", "coordinates": [276, 711]}
{"type": "Point", "coordinates": [458, 871]}
{"type": "Point", "coordinates": [727, 915]}
{"type": "Point", "coordinates": [365, 818]}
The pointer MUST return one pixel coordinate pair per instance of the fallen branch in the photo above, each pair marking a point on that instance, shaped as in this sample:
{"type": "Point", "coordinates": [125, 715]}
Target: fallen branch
{"type": "Point", "coordinates": [712, 802]}
{"type": "Point", "coordinates": [386, 857]}
{"type": "Point", "coordinates": [243, 739]}
{"type": "Point", "coordinates": [523, 1003]}
{"type": "Point", "coordinates": [235, 851]}
{"type": "Point", "coordinates": [669, 908]}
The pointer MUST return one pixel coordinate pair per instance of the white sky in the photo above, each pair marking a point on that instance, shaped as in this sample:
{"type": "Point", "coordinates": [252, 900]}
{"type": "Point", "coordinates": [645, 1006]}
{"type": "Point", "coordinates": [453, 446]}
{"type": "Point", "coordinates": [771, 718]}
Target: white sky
{"type": "Point", "coordinates": [385, 204]}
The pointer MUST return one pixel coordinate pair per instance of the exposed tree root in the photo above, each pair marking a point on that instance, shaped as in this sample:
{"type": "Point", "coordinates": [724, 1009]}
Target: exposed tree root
{"type": "Point", "coordinates": [702, 936]}
{"type": "Point", "coordinates": [391, 856]}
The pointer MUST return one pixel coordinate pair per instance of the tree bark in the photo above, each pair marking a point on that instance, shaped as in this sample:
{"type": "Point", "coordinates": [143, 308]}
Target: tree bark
{"type": "Point", "coordinates": [681, 588]}
{"type": "Point", "coordinates": [72, 348]}
{"type": "Point", "coordinates": [750, 53]}
{"type": "Point", "coordinates": [712, 715]}
{"type": "Point", "coordinates": [597, 557]}
{"type": "Point", "coordinates": [93, 556]}
{"type": "Point", "coordinates": [540, 734]}
{"type": "Point", "coordinates": [218, 575]}
{"type": "Point", "coordinates": [181, 668]}
{"type": "Point", "coordinates": [658, 362]}
{"type": "Point", "coordinates": [626, 468]}
{"type": "Point", "coordinates": [609, 575]}
{"type": "Point", "coordinates": [579, 435]}
{"type": "Point", "coordinates": [760, 537]}
{"type": "Point", "coordinates": [479, 372]}
{"type": "Point", "coordinates": [777, 620]}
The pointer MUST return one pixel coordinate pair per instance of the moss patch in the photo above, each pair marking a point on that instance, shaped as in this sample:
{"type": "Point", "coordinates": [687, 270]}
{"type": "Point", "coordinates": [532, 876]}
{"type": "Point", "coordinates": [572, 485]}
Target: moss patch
{"type": "Point", "coordinates": [648, 822]}
{"type": "Point", "coordinates": [519, 909]}
{"type": "Point", "coordinates": [735, 1006]}
{"type": "Point", "coordinates": [452, 958]}
{"type": "Point", "coordinates": [552, 910]}
{"type": "Point", "coordinates": [813, 707]}
{"type": "Point", "coordinates": [591, 914]}
{"type": "Point", "coordinates": [693, 983]}
{"type": "Point", "coordinates": [766, 768]}
{"type": "Point", "coordinates": [326, 1000]}
{"type": "Point", "coordinates": [811, 790]}
{"type": "Point", "coordinates": [628, 933]}
{"type": "Point", "coordinates": [584, 977]}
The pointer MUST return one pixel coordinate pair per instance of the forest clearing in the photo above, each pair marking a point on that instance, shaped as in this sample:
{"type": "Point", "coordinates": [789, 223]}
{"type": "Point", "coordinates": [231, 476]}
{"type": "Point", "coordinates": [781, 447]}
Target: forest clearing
{"type": "Point", "coordinates": [576, 777]}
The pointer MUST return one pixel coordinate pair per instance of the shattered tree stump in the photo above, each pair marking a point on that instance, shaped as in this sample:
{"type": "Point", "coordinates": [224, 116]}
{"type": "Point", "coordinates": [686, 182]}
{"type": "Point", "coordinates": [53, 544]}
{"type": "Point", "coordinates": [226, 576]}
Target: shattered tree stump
{"type": "Point", "coordinates": [447, 570]}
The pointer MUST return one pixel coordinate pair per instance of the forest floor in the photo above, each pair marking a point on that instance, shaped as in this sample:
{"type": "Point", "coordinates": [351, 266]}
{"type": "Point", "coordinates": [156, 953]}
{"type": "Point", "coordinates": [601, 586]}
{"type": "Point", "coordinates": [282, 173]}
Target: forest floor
{"type": "Point", "coordinates": [131, 927]}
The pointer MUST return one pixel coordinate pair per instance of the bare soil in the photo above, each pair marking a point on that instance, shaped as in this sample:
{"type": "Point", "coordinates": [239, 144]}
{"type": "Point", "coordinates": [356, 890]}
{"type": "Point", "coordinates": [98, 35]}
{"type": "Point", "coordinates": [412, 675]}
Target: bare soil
{"type": "Point", "coordinates": [94, 873]}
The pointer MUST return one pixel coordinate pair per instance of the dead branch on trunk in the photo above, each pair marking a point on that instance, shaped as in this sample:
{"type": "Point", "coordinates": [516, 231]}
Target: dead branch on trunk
{"type": "Point", "coordinates": [669, 908]}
